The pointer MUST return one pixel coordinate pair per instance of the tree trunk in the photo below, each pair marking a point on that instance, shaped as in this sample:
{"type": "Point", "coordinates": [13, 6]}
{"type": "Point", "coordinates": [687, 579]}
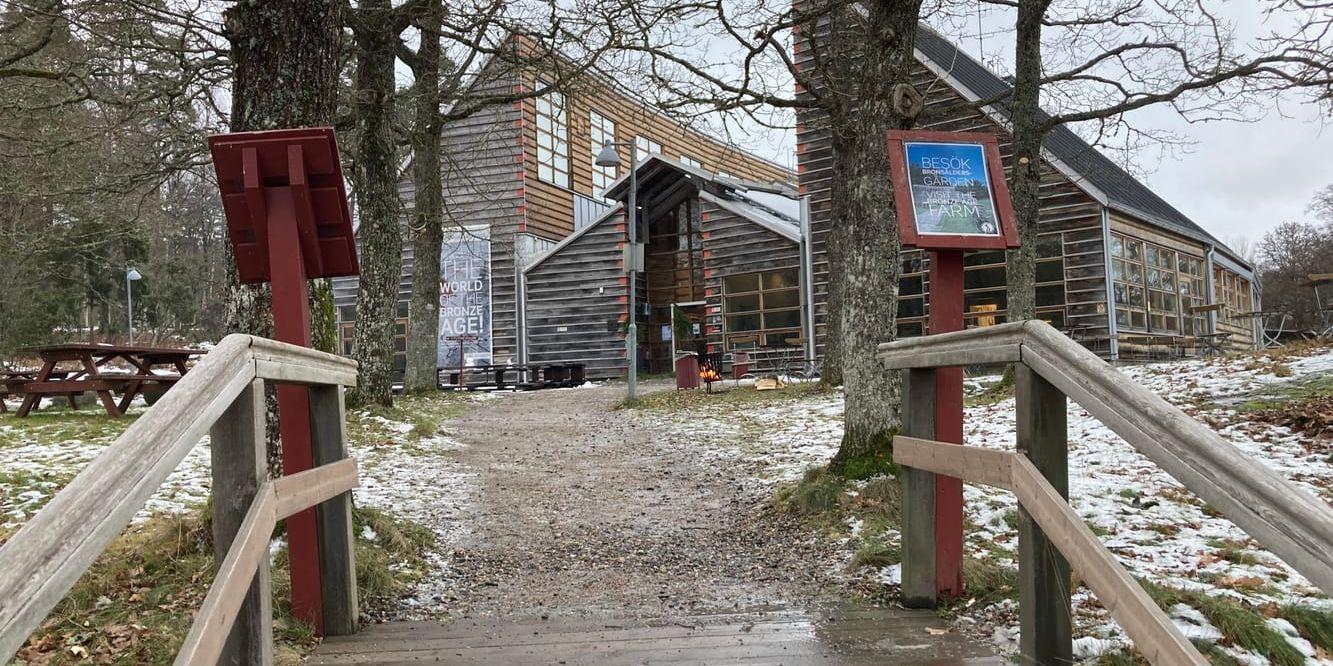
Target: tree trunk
{"type": "Point", "coordinates": [285, 57]}
{"type": "Point", "coordinates": [376, 180]}
{"type": "Point", "coordinates": [1025, 176]}
{"type": "Point", "coordinates": [864, 216]}
{"type": "Point", "coordinates": [427, 220]}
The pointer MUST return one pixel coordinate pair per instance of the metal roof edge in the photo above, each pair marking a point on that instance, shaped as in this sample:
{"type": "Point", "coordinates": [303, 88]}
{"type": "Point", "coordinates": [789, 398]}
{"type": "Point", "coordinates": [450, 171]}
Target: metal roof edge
{"type": "Point", "coordinates": [793, 235]}
{"type": "Point", "coordinates": [572, 237]}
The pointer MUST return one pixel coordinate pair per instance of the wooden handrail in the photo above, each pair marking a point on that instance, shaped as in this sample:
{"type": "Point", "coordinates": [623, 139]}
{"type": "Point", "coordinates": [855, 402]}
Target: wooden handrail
{"type": "Point", "coordinates": [44, 559]}
{"type": "Point", "coordinates": [277, 499]}
{"type": "Point", "coordinates": [1155, 636]}
{"type": "Point", "coordinates": [1295, 525]}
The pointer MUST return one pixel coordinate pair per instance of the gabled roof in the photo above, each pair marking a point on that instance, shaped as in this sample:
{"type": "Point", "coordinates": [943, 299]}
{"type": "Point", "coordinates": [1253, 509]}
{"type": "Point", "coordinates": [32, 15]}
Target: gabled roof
{"type": "Point", "coordinates": [1087, 166]}
{"type": "Point", "coordinates": [773, 206]}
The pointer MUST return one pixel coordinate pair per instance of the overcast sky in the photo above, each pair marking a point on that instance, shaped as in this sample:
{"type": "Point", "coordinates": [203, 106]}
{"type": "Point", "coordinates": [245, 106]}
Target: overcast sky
{"type": "Point", "coordinates": [1234, 179]}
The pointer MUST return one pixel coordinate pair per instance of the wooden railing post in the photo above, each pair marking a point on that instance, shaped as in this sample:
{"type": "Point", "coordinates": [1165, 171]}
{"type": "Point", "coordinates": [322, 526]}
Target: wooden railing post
{"type": "Point", "coordinates": [1043, 573]}
{"type": "Point", "coordinates": [337, 554]}
{"type": "Point", "coordinates": [237, 447]}
{"type": "Point", "coordinates": [918, 537]}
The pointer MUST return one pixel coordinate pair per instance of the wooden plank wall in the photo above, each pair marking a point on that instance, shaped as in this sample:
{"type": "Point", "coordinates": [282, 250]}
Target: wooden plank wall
{"type": "Point", "coordinates": [576, 301]}
{"type": "Point", "coordinates": [548, 209]}
{"type": "Point", "coordinates": [734, 245]}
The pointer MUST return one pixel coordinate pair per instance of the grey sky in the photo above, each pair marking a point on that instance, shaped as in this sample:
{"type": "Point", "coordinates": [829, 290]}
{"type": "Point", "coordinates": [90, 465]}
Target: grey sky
{"type": "Point", "coordinates": [1235, 179]}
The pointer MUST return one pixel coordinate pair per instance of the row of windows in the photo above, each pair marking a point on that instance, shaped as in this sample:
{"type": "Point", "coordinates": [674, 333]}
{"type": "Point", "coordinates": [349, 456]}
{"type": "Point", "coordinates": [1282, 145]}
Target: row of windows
{"type": "Point", "coordinates": [553, 161]}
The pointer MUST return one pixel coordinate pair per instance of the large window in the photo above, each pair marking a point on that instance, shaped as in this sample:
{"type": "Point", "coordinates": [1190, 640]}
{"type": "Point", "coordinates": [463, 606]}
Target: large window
{"type": "Point", "coordinates": [1193, 295]}
{"type": "Point", "coordinates": [552, 139]}
{"type": "Point", "coordinates": [1131, 300]}
{"type": "Point", "coordinates": [646, 146]}
{"type": "Point", "coordinates": [1155, 288]}
{"type": "Point", "coordinates": [690, 161]}
{"type": "Point", "coordinates": [603, 131]}
{"type": "Point", "coordinates": [762, 309]}
{"type": "Point", "coordinates": [1233, 291]}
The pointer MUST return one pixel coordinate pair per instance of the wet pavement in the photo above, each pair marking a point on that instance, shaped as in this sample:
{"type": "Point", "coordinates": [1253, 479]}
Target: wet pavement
{"type": "Point", "coordinates": [591, 537]}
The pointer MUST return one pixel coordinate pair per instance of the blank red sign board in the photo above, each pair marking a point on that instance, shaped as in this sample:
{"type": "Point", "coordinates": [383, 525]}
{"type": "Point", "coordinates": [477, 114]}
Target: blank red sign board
{"type": "Point", "coordinates": [305, 160]}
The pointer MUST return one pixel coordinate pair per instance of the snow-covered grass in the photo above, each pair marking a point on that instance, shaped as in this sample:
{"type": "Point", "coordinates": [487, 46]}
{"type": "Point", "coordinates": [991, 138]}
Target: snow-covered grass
{"type": "Point", "coordinates": [1157, 528]}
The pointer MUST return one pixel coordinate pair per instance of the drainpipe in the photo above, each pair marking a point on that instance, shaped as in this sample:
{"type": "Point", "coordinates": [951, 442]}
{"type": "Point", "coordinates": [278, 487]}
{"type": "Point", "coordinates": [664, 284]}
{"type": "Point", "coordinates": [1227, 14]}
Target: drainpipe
{"type": "Point", "coordinates": [1212, 289]}
{"type": "Point", "coordinates": [521, 307]}
{"type": "Point", "coordinates": [1111, 329]}
{"type": "Point", "coordinates": [807, 281]}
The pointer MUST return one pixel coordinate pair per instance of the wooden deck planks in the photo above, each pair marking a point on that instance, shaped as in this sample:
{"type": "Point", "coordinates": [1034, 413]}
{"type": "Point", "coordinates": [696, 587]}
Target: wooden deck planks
{"type": "Point", "coordinates": [788, 637]}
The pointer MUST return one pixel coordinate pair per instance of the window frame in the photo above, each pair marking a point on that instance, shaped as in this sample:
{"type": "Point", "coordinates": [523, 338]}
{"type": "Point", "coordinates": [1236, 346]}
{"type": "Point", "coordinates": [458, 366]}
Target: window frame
{"type": "Point", "coordinates": [760, 337]}
{"type": "Point", "coordinates": [552, 147]}
{"type": "Point", "coordinates": [601, 130]}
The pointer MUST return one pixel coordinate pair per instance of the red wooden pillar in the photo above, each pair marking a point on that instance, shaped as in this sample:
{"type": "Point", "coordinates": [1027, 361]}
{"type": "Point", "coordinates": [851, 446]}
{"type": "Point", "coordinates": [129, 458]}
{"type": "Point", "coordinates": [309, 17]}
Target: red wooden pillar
{"type": "Point", "coordinates": [946, 314]}
{"type": "Point", "coordinates": [291, 323]}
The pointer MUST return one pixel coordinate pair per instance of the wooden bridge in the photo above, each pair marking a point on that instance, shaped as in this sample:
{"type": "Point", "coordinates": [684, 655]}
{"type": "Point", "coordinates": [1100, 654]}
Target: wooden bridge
{"type": "Point", "coordinates": [223, 397]}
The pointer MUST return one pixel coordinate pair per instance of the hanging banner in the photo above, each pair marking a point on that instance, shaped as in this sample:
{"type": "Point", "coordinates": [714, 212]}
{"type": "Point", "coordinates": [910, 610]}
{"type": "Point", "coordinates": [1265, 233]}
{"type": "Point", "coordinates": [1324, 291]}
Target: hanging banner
{"type": "Point", "coordinates": [950, 191]}
{"type": "Point", "coordinates": [465, 299]}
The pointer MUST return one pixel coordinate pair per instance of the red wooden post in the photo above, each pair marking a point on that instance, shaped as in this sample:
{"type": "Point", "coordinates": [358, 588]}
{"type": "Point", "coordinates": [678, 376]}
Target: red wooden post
{"type": "Point", "coordinates": [946, 314]}
{"type": "Point", "coordinates": [288, 222]}
{"type": "Point", "coordinates": [960, 177]}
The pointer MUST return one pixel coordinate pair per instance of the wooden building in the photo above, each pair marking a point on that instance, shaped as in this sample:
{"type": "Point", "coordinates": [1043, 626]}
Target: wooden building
{"type": "Point", "coordinates": [522, 175]}
{"type": "Point", "coordinates": [1171, 282]}
{"type": "Point", "coordinates": [723, 261]}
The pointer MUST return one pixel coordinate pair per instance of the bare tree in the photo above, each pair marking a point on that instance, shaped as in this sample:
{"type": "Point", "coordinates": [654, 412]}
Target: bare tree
{"type": "Point", "coordinates": [1098, 64]}
{"type": "Point", "coordinates": [852, 67]}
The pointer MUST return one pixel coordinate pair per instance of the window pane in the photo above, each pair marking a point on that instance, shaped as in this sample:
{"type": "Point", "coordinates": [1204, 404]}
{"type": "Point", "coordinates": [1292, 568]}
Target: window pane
{"type": "Point", "coordinates": [980, 278]}
{"type": "Point", "coordinates": [910, 286]}
{"type": "Point", "coordinates": [1050, 271]}
{"type": "Point", "coordinates": [790, 298]}
{"type": "Point", "coordinates": [740, 283]}
{"type": "Point", "coordinates": [983, 258]}
{"type": "Point", "coordinates": [1135, 273]}
{"type": "Point", "coordinates": [911, 307]}
{"type": "Point", "coordinates": [1134, 250]}
{"type": "Point", "coordinates": [784, 319]}
{"type": "Point", "coordinates": [1049, 246]}
{"type": "Point", "coordinates": [999, 299]}
{"type": "Point", "coordinates": [1136, 296]}
{"type": "Point", "coordinates": [746, 303]}
{"type": "Point", "coordinates": [748, 322]}
{"type": "Point", "coordinates": [1117, 246]}
{"type": "Point", "coordinates": [1052, 294]}
{"type": "Point", "coordinates": [780, 279]}
{"type": "Point", "coordinates": [1121, 294]}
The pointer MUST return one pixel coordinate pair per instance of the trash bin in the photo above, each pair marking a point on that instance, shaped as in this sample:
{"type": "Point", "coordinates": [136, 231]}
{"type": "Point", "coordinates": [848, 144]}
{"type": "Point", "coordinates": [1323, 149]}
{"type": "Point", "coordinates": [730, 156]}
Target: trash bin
{"type": "Point", "coordinates": [687, 370]}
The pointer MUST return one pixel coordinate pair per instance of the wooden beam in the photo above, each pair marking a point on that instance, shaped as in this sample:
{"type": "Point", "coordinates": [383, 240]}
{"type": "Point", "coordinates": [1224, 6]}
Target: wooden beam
{"type": "Point", "coordinates": [337, 548]}
{"type": "Point", "coordinates": [918, 538]}
{"type": "Point", "coordinates": [1155, 636]}
{"type": "Point", "coordinates": [1045, 613]}
{"type": "Point", "coordinates": [240, 467]}
{"type": "Point", "coordinates": [249, 551]}
{"type": "Point", "coordinates": [300, 491]}
{"type": "Point", "coordinates": [971, 464]}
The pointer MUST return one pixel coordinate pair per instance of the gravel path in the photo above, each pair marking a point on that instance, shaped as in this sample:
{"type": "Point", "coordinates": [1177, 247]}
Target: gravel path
{"type": "Point", "coordinates": [582, 510]}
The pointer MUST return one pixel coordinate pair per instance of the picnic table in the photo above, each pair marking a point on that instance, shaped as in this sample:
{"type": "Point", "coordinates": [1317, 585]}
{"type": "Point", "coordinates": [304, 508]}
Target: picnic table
{"type": "Point", "coordinates": [526, 375]}
{"type": "Point", "coordinates": [87, 368]}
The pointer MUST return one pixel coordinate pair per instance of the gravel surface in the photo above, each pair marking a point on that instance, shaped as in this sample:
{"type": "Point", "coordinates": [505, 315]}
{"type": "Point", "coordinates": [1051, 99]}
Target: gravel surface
{"type": "Point", "coordinates": [583, 510]}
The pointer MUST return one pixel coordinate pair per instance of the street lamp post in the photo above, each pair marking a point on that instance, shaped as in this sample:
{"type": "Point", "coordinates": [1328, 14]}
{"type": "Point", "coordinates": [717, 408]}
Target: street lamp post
{"type": "Point", "coordinates": [131, 276]}
{"type": "Point", "coordinates": [608, 157]}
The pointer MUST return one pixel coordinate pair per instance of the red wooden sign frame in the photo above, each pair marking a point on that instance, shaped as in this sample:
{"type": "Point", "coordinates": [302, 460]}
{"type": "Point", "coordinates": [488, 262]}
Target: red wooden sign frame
{"type": "Point", "coordinates": [999, 187]}
{"type": "Point", "coordinates": [288, 222]}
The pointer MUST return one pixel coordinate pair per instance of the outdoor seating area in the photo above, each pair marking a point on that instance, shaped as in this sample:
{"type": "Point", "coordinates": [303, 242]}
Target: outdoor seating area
{"type": "Point", "coordinates": [514, 376]}
{"type": "Point", "coordinates": [116, 374]}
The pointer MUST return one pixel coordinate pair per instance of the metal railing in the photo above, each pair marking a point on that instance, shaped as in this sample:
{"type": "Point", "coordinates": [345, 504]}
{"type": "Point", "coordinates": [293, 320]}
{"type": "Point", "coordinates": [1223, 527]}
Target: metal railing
{"type": "Point", "coordinates": [1292, 523]}
{"type": "Point", "coordinates": [223, 396]}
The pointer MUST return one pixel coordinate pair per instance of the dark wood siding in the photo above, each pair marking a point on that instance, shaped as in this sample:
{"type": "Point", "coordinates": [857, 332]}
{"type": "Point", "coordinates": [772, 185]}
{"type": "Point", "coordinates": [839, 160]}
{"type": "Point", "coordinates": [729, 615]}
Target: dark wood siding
{"type": "Point", "coordinates": [576, 302]}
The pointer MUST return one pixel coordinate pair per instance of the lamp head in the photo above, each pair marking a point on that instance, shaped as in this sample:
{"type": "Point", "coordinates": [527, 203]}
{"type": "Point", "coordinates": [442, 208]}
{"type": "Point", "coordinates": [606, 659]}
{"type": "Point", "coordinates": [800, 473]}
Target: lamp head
{"type": "Point", "coordinates": [608, 157]}
{"type": "Point", "coordinates": [133, 275]}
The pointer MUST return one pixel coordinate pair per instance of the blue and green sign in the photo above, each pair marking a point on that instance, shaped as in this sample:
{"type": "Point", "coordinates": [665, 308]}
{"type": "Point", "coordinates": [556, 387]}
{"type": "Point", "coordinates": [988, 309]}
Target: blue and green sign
{"type": "Point", "coordinates": [951, 189]}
